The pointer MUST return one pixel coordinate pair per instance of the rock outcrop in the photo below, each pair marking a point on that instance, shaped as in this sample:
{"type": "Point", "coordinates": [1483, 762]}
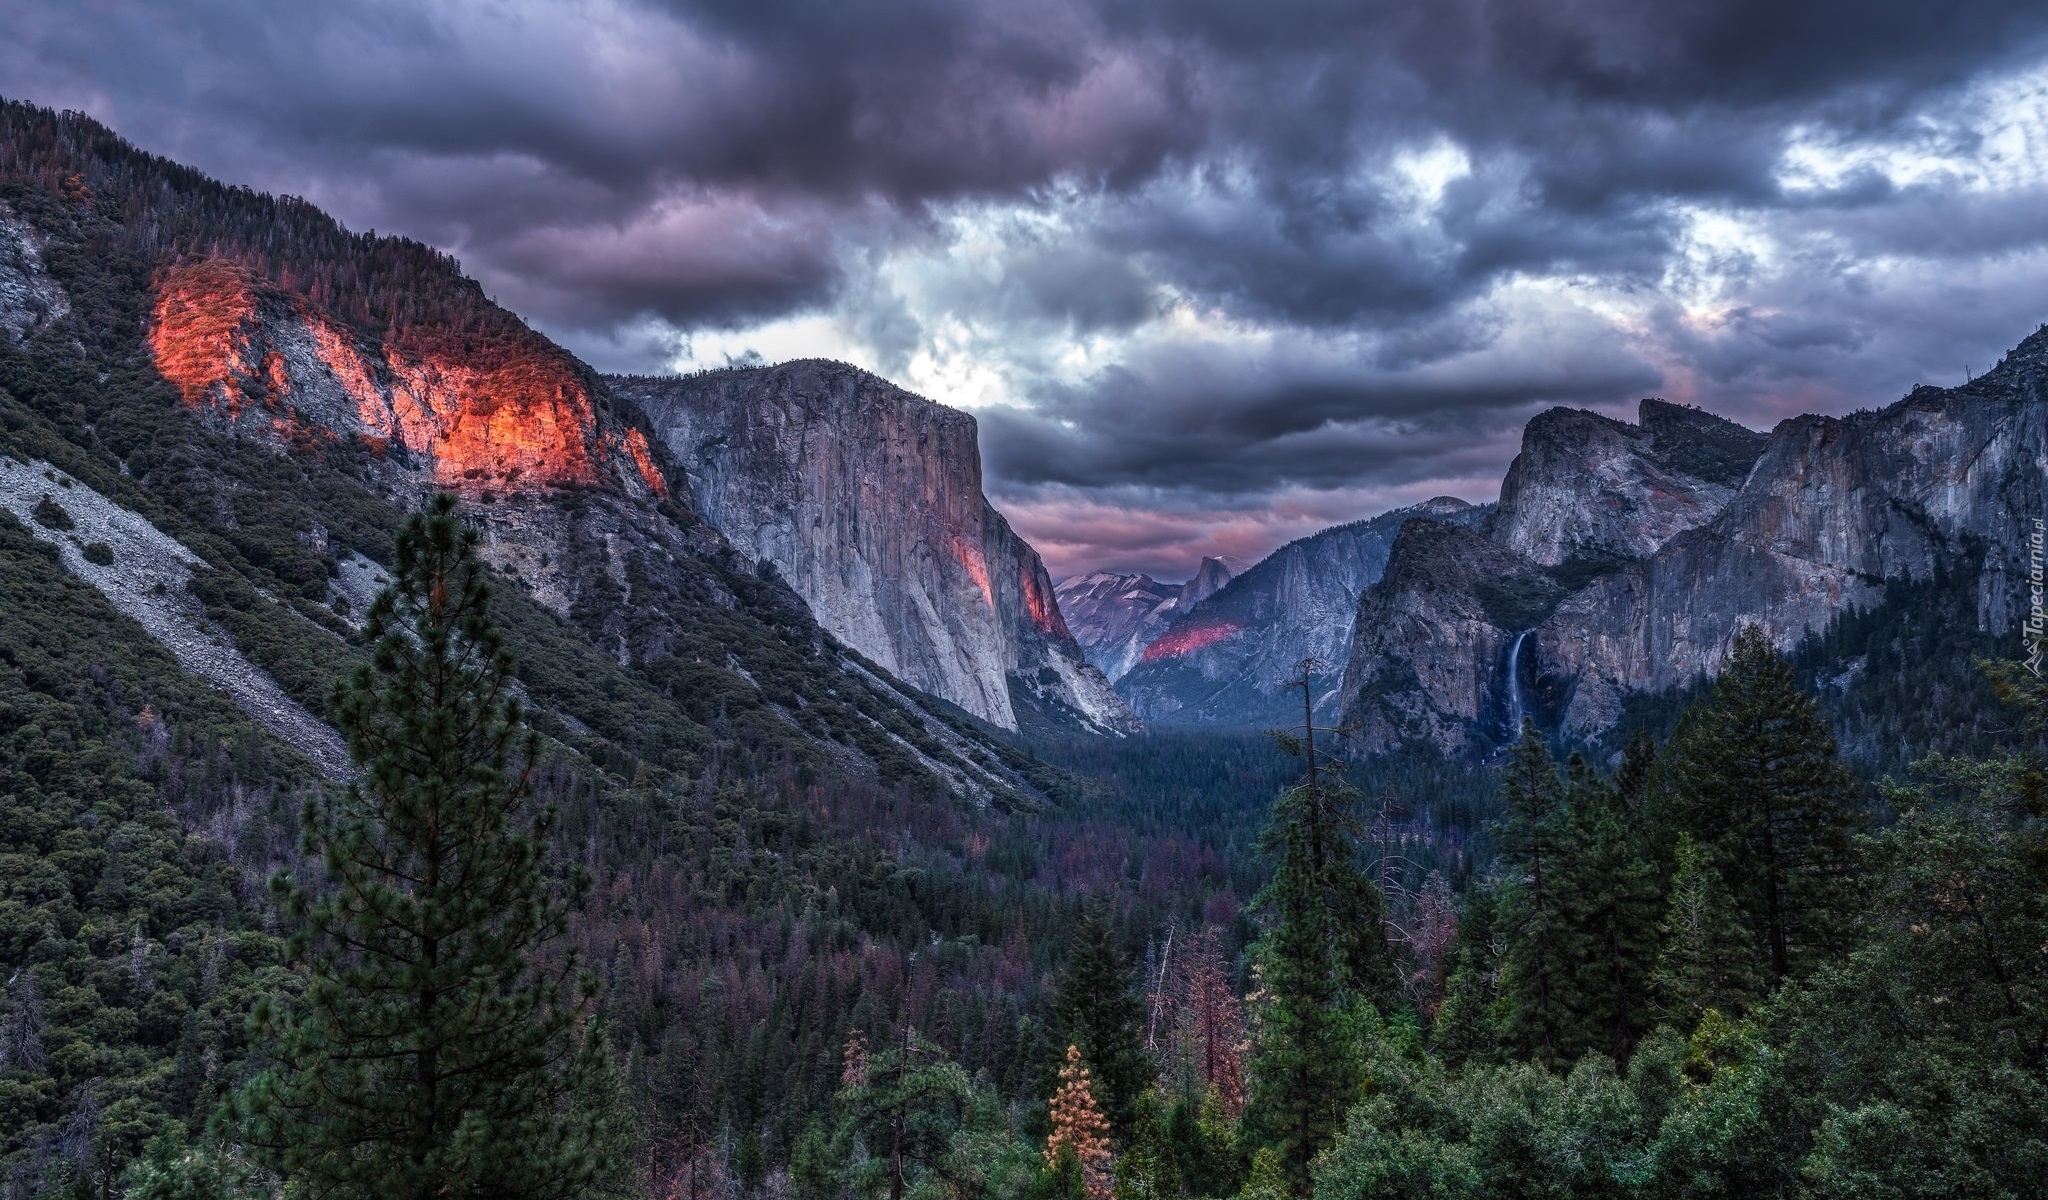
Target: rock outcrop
{"type": "Point", "coordinates": [1632, 569]}
{"type": "Point", "coordinates": [29, 298]}
{"type": "Point", "coordinates": [516, 414]}
{"type": "Point", "coordinates": [1116, 616]}
{"type": "Point", "coordinates": [1225, 660]}
{"type": "Point", "coordinates": [867, 500]}
{"type": "Point", "coordinates": [1590, 491]}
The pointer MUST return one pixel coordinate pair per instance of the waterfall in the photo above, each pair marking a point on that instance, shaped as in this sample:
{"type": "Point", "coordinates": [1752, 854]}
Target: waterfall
{"type": "Point", "coordinates": [1517, 707]}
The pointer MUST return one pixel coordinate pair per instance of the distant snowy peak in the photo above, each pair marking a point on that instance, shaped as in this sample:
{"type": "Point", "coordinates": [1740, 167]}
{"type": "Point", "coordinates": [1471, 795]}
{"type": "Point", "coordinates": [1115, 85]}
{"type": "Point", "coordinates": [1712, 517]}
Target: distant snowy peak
{"type": "Point", "coordinates": [1116, 616]}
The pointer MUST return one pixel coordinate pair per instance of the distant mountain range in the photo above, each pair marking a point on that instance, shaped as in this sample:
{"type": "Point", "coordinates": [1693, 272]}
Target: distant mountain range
{"type": "Point", "coordinates": [1116, 616]}
{"type": "Point", "coordinates": [1224, 660]}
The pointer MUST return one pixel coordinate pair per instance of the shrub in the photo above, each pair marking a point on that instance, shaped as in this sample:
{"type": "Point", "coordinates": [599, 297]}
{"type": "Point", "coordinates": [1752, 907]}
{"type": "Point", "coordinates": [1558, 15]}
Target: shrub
{"type": "Point", "coordinates": [51, 515]}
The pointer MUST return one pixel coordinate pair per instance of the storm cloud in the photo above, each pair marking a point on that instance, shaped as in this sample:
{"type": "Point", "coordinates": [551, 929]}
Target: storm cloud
{"type": "Point", "coordinates": [1210, 273]}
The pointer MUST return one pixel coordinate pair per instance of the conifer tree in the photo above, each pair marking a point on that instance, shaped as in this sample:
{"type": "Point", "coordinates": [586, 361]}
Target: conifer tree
{"type": "Point", "coordinates": [906, 1102]}
{"type": "Point", "coordinates": [1306, 1066]}
{"type": "Point", "coordinates": [1707, 961]}
{"type": "Point", "coordinates": [1079, 1127]}
{"type": "Point", "coordinates": [1613, 904]}
{"type": "Point", "coordinates": [1325, 952]}
{"type": "Point", "coordinates": [436, 1051]}
{"type": "Point", "coordinates": [1536, 964]}
{"type": "Point", "coordinates": [1756, 780]}
{"type": "Point", "coordinates": [1097, 1008]}
{"type": "Point", "coordinates": [1209, 1034]}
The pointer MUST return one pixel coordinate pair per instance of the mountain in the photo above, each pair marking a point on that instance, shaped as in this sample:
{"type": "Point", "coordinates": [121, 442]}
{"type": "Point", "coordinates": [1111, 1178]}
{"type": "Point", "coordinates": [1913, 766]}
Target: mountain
{"type": "Point", "coordinates": [217, 408]}
{"type": "Point", "coordinates": [1223, 661]}
{"type": "Point", "coordinates": [867, 500]}
{"type": "Point", "coordinates": [240, 401]}
{"type": "Point", "coordinates": [1623, 560]}
{"type": "Point", "coordinates": [1115, 616]}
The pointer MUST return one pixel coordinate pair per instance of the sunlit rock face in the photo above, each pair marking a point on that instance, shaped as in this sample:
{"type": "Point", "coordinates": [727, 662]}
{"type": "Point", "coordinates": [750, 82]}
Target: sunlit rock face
{"type": "Point", "coordinates": [1117, 617]}
{"type": "Point", "coordinates": [1224, 661]}
{"type": "Point", "coordinates": [867, 500]}
{"type": "Point", "coordinates": [1625, 581]}
{"type": "Point", "coordinates": [510, 417]}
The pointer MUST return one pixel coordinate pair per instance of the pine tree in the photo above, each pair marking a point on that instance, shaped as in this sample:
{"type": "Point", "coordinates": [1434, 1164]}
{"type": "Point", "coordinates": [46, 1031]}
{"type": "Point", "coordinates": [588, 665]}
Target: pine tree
{"type": "Point", "coordinates": [435, 1051]}
{"type": "Point", "coordinates": [1079, 1127]}
{"type": "Point", "coordinates": [1612, 903]}
{"type": "Point", "coordinates": [906, 1102]}
{"type": "Point", "coordinates": [1707, 961]}
{"type": "Point", "coordinates": [1536, 967]}
{"type": "Point", "coordinates": [1210, 1032]}
{"type": "Point", "coordinates": [1326, 951]}
{"type": "Point", "coordinates": [1756, 780]}
{"type": "Point", "coordinates": [1321, 809]}
{"type": "Point", "coordinates": [1306, 1066]}
{"type": "Point", "coordinates": [1097, 1008]}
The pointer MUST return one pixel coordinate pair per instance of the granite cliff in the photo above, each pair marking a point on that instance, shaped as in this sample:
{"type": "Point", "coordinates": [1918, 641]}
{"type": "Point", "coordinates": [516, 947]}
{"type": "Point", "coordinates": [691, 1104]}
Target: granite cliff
{"type": "Point", "coordinates": [867, 500]}
{"type": "Point", "coordinates": [1632, 556]}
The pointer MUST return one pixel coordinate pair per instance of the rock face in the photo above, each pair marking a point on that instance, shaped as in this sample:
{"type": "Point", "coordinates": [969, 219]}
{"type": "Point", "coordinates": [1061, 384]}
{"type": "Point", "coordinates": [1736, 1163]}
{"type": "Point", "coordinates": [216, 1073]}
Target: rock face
{"type": "Point", "coordinates": [1116, 616]}
{"type": "Point", "coordinates": [1223, 661]}
{"type": "Point", "coordinates": [1590, 490]}
{"type": "Point", "coordinates": [513, 416]}
{"type": "Point", "coordinates": [867, 500]}
{"type": "Point", "coordinates": [1829, 511]}
{"type": "Point", "coordinates": [29, 298]}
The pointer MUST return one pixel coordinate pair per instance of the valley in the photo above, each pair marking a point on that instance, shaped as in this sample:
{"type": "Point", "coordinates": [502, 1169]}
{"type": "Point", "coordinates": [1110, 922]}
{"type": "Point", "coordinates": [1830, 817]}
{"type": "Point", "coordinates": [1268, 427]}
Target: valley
{"type": "Point", "coordinates": [859, 829]}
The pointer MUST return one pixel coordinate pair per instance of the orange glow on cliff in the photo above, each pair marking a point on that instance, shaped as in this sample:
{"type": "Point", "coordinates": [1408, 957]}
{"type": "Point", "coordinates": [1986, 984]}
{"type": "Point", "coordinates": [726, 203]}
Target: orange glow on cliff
{"type": "Point", "coordinates": [204, 316]}
{"type": "Point", "coordinates": [511, 412]}
{"type": "Point", "coordinates": [977, 568]}
{"type": "Point", "coordinates": [1045, 611]}
{"type": "Point", "coordinates": [636, 445]}
{"type": "Point", "coordinates": [1189, 639]}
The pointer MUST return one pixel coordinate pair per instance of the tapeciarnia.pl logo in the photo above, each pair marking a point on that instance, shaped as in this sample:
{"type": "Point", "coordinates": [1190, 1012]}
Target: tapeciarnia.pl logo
{"type": "Point", "coordinates": [2037, 621]}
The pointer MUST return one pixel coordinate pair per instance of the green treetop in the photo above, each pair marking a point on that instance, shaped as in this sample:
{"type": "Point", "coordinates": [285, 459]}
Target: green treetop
{"type": "Point", "coordinates": [435, 1051]}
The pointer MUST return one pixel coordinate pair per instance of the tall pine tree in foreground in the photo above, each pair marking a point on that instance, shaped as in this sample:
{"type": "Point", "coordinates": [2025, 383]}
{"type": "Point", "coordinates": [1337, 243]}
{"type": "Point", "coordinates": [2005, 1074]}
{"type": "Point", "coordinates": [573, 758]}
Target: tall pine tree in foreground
{"type": "Point", "coordinates": [1325, 954]}
{"type": "Point", "coordinates": [1756, 779]}
{"type": "Point", "coordinates": [1612, 902]}
{"type": "Point", "coordinates": [434, 1052]}
{"type": "Point", "coordinates": [1537, 966]}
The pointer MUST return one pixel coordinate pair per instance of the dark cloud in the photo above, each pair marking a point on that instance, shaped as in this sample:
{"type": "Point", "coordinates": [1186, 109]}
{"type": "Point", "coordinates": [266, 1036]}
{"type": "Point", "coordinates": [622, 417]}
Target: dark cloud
{"type": "Point", "coordinates": [1217, 250]}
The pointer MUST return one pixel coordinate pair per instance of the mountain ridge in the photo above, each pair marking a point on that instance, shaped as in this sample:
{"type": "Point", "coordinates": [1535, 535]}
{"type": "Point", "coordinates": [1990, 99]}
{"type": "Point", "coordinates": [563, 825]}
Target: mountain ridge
{"type": "Point", "coordinates": [1830, 510]}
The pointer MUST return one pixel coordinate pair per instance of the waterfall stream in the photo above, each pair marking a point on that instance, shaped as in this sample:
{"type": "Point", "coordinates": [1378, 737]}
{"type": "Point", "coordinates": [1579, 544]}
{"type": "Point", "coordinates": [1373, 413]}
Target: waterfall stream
{"type": "Point", "coordinates": [1517, 706]}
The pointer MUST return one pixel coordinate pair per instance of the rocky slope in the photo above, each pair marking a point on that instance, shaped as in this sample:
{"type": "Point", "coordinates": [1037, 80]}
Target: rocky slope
{"type": "Point", "coordinates": [1224, 660]}
{"type": "Point", "coordinates": [867, 500]}
{"type": "Point", "coordinates": [1115, 616]}
{"type": "Point", "coordinates": [1828, 512]}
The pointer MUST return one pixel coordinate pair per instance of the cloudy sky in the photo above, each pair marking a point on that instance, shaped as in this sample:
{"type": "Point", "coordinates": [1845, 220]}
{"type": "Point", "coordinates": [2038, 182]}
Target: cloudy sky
{"type": "Point", "coordinates": [1212, 273]}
